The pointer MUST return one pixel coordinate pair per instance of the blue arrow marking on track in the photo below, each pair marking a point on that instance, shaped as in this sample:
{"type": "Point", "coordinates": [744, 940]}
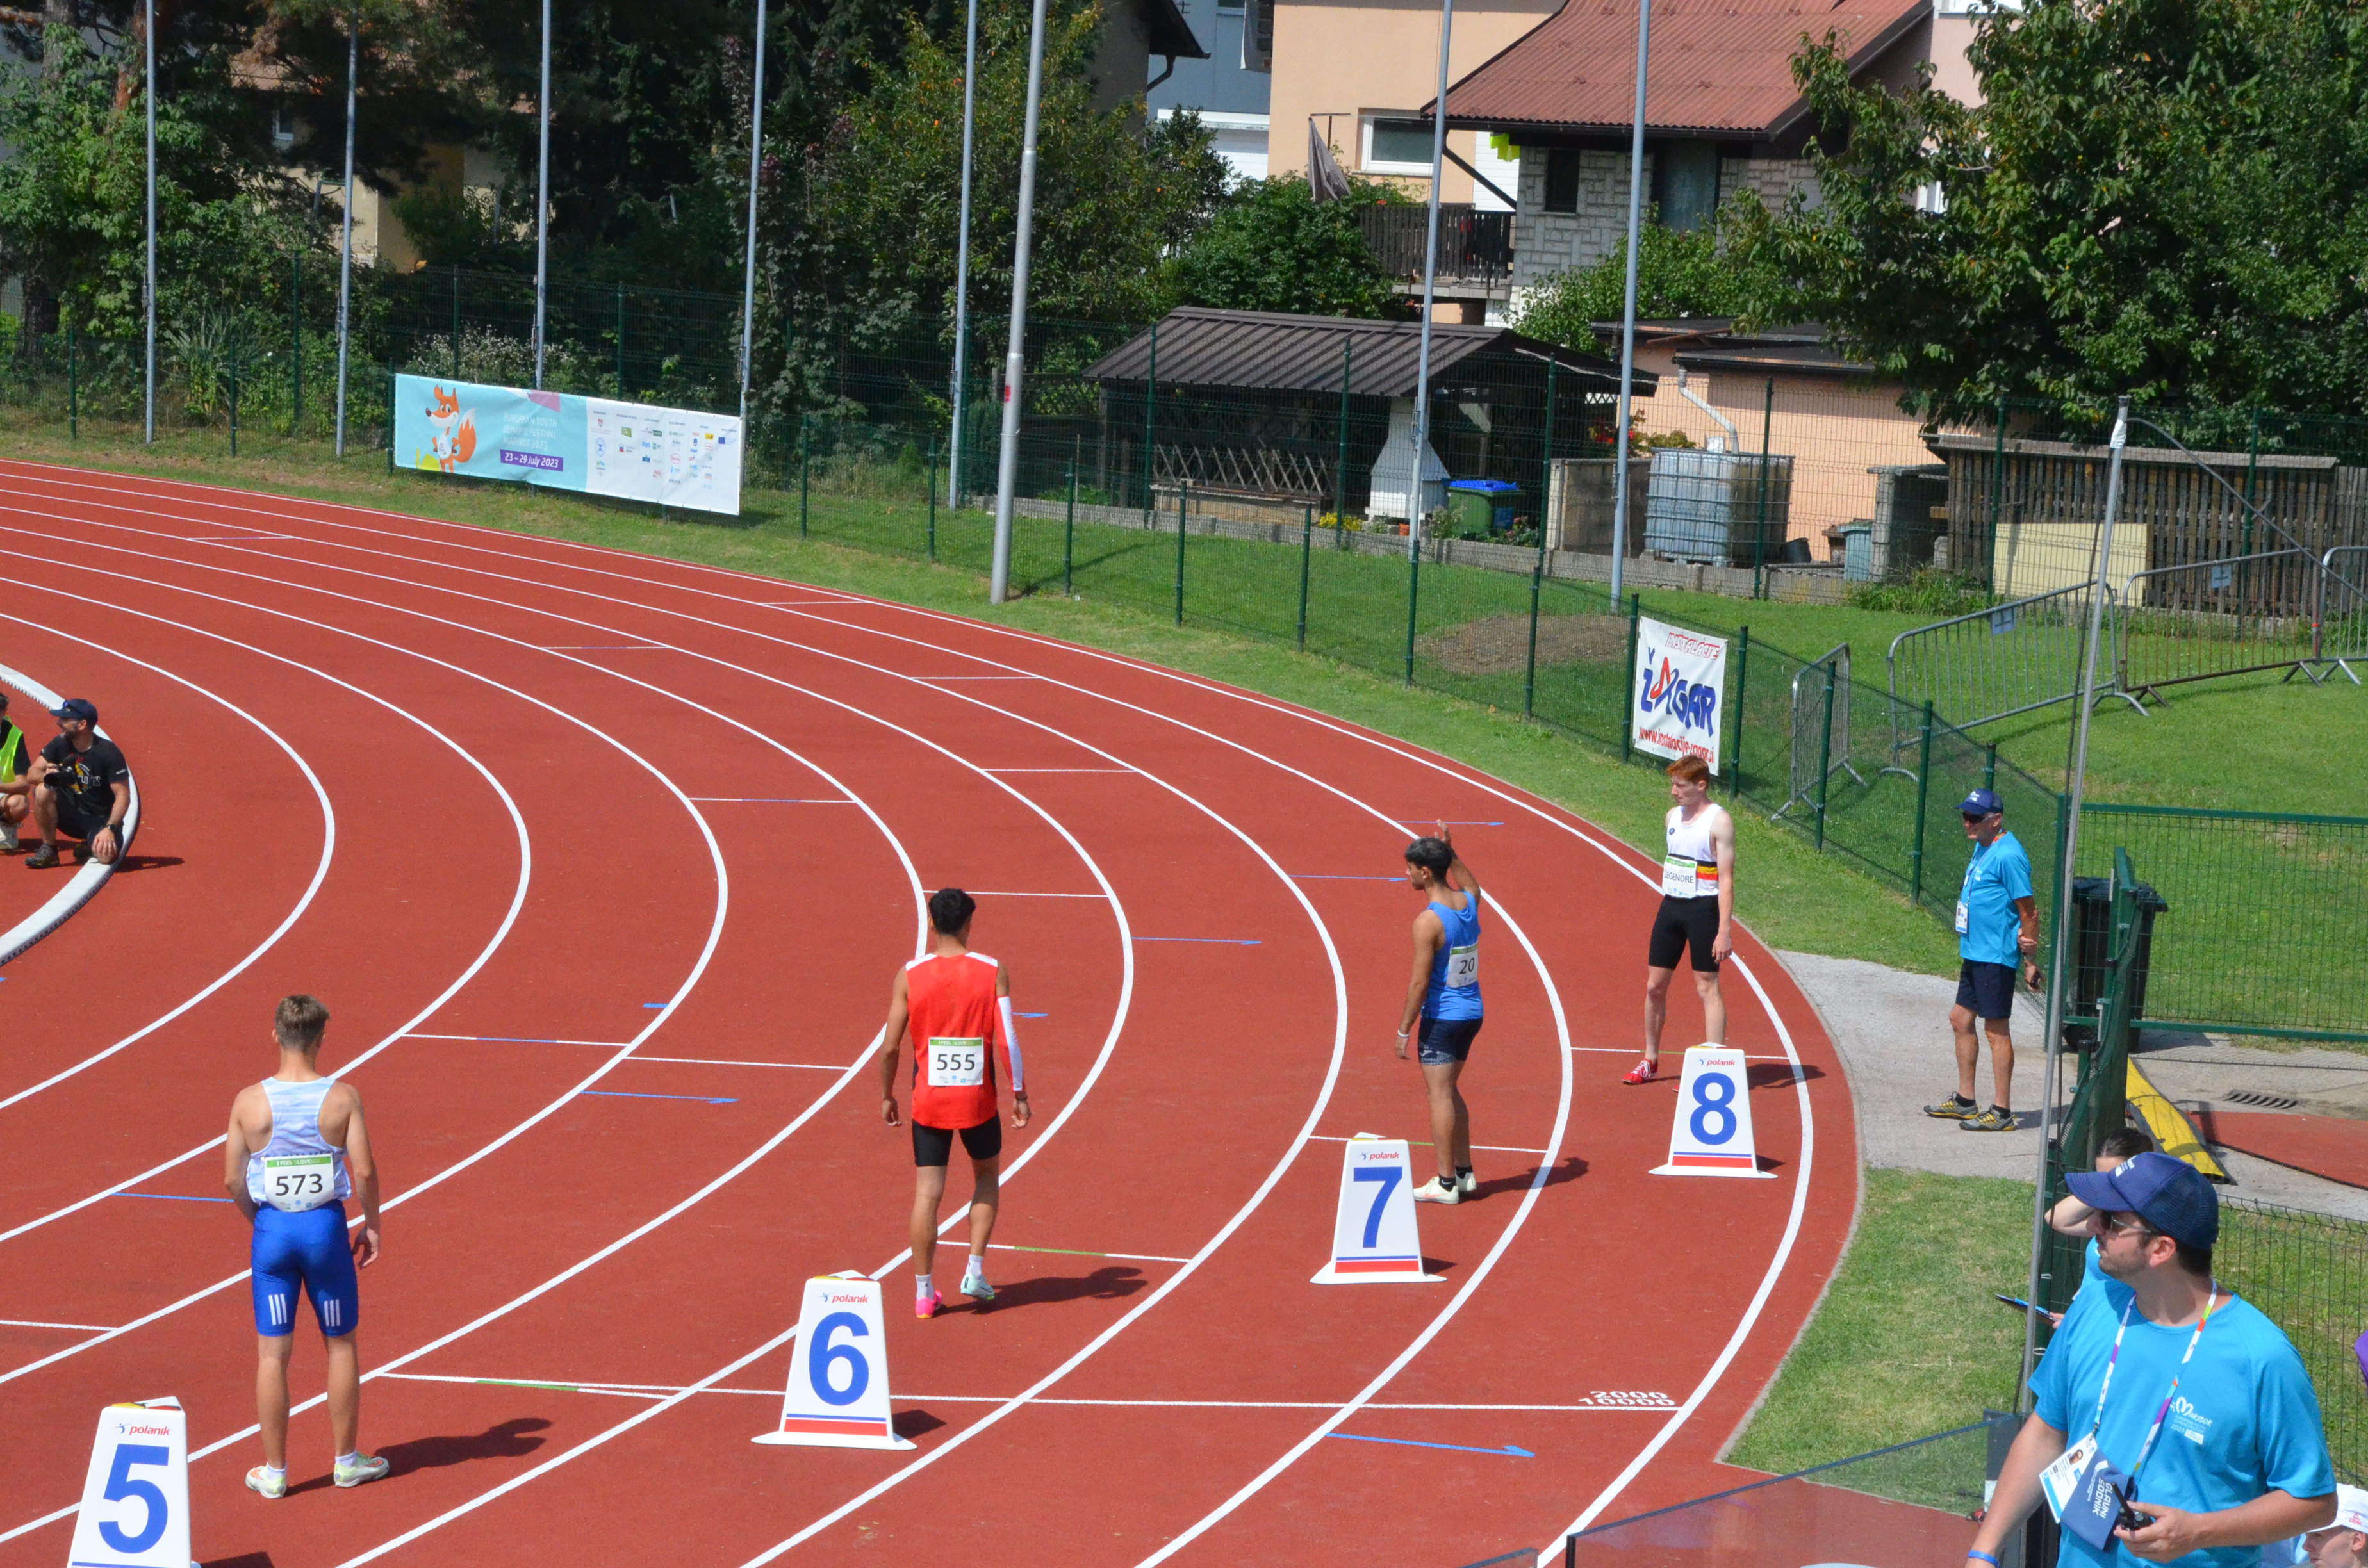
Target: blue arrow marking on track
{"type": "Point", "coordinates": [628, 1095]}
{"type": "Point", "coordinates": [1507, 1452]}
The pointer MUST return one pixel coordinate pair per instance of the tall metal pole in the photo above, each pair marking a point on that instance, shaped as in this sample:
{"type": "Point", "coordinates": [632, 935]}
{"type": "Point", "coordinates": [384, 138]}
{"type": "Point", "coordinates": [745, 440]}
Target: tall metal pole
{"type": "Point", "coordinates": [748, 281]}
{"type": "Point", "coordinates": [346, 244]}
{"type": "Point", "coordinates": [962, 262]}
{"type": "Point", "coordinates": [1628, 310]}
{"type": "Point", "coordinates": [1006, 478]}
{"type": "Point", "coordinates": [149, 81]}
{"type": "Point", "coordinates": [1430, 285]}
{"type": "Point", "coordinates": [2060, 961]}
{"type": "Point", "coordinates": [542, 199]}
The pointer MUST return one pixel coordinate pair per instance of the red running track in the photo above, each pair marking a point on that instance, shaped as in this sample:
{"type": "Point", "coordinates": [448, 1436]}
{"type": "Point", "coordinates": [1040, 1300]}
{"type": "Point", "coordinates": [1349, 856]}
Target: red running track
{"type": "Point", "coordinates": [625, 852]}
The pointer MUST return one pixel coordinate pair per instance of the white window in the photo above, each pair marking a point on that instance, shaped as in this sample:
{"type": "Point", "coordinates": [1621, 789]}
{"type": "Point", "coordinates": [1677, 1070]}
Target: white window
{"type": "Point", "coordinates": [1396, 145]}
{"type": "Point", "coordinates": [283, 126]}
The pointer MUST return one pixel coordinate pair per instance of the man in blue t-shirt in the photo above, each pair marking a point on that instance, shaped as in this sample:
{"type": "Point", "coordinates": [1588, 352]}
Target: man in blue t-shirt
{"type": "Point", "coordinates": [1998, 929]}
{"type": "Point", "coordinates": [2189, 1393]}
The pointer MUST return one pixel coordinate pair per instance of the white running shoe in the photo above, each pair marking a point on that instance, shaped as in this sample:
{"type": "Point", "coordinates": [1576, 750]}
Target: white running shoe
{"type": "Point", "coordinates": [1436, 1191]}
{"type": "Point", "coordinates": [365, 1467]}
{"type": "Point", "coordinates": [262, 1481]}
{"type": "Point", "coordinates": [1467, 1185]}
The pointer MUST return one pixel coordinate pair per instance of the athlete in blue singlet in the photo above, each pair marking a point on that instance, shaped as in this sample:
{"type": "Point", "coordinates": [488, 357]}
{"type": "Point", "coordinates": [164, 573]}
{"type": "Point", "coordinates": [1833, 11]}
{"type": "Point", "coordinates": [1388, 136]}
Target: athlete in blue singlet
{"type": "Point", "coordinates": [1443, 999]}
{"type": "Point", "coordinates": [297, 1149]}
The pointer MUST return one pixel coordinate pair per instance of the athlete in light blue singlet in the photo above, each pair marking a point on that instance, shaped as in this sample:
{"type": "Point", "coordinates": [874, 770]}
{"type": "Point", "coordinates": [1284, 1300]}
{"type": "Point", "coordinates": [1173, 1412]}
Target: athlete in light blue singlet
{"type": "Point", "coordinates": [1442, 1004]}
{"type": "Point", "coordinates": [297, 1149]}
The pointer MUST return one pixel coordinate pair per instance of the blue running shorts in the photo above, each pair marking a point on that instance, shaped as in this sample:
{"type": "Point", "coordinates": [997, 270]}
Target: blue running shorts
{"type": "Point", "coordinates": [304, 1254]}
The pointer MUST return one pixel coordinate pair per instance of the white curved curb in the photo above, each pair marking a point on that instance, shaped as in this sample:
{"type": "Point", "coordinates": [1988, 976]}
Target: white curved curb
{"type": "Point", "coordinates": [84, 885]}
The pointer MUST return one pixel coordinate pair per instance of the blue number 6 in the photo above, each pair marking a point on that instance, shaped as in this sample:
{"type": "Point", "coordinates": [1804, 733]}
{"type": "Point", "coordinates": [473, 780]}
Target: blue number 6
{"type": "Point", "coordinates": [120, 1486]}
{"type": "Point", "coordinates": [1708, 1106]}
{"type": "Point", "coordinates": [859, 1370]}
{"type": "Point", "coordinates": [1389, 1176]}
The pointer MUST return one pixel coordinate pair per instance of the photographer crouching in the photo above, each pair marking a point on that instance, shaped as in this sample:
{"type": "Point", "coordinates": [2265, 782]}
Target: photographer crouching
{"type": "Point", "coordinates": [81, 787]}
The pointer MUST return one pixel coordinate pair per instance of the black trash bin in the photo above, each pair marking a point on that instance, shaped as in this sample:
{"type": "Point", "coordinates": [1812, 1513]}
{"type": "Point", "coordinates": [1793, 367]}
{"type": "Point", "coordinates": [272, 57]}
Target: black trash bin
{"type": "Point", "coordinates": [2093, 929]}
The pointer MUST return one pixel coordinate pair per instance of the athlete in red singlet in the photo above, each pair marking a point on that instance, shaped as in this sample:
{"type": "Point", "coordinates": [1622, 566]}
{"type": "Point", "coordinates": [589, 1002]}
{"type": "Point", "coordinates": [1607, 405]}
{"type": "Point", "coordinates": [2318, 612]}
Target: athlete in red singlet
{"type": "Point", "coordinates": [958, 1003]}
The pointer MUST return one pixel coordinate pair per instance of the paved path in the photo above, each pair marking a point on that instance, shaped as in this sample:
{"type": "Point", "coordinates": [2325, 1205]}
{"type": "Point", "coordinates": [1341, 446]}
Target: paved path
{"type": "Point", "coordinates": [1892, 1031]}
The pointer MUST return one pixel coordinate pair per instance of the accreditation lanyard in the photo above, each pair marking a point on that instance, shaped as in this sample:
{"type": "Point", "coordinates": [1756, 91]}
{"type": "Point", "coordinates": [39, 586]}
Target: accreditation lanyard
{"type": "Point", "coordinates": [2210, 1305]}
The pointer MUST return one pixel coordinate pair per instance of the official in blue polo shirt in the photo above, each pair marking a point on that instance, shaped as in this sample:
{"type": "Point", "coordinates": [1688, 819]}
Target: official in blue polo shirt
{"type": "Point", "coordinates": [1998, 931]}
{"type": "Point", "coordinates": [2182, 1398]}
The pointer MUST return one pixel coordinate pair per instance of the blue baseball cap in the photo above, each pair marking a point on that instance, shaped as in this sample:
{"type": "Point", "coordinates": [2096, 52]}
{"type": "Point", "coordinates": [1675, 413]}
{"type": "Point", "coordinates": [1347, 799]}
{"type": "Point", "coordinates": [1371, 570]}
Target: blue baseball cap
{"type": "Point", "coordinates": [2168, 1194]}
{"type": "Point", "coordinates": [75, 708]}
{"type": "Point", "coordinates": [1981, 803]}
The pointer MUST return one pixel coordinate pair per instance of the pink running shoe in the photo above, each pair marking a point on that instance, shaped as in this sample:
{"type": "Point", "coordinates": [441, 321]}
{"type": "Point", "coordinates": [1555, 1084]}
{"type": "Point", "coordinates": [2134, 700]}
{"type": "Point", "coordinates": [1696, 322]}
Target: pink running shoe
{"type": "Point", "coordinates": [927, 1306]}
{"type": "Point", "coordinates": [1642, 1073]}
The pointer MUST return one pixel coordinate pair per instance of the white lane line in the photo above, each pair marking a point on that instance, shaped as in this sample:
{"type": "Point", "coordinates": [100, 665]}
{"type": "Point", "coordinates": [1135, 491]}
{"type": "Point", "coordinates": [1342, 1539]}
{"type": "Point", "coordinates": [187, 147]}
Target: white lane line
{"type": "Point", "coordinates": [1085, 1087]}
{"type": "Point", "coordinates": [1080, 1252]}
{"type": "Point", "coordinates": [525, 1040]}
{"type": "Point", "coordinates": [303, 901]}
{"type": "Point", "coordinates": [72, 1327]}
{"type": "Point", "coordinates": [1426, 1143]}
{"type": "Point", "coordinates": [659, 1390]}
{"type": "Point", "coordinates": [1552, 996]}
{"type": "Point", "coordinates": [764, 800]}
{"type": "Point", "coordinates": [1638, 1052]}
{"type": "Point", "coordinates": [714, 1062]}
{"type": "Point", "coordinates": [1014, 770]}
{"type": "Point", "coordinates": [935, 678]}
{"type": "Point", "coordinates": [1001, 893]}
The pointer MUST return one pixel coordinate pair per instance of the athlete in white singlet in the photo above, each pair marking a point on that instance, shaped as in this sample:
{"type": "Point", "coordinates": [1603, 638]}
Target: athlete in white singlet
{"type": "Point", "coordinates": [1697, 910]}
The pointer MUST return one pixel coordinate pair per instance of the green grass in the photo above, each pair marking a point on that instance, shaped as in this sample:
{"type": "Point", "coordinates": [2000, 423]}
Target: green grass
{"type": "Point", "coordinates": [1907, 1341]}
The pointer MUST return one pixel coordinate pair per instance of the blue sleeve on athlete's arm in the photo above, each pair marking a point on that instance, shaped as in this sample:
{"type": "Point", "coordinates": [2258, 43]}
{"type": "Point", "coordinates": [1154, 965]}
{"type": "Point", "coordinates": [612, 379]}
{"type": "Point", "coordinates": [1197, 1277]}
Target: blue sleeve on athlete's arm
{"type": "Point", "coordinates": [2292, 1435]}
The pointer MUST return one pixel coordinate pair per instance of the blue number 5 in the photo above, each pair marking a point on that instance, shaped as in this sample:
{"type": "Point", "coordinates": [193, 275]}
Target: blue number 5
{"type": "Point", "coordinates": [120, 1486]}
{"type": "Point", "coordinates": [859, 1371]}
{"type": "Point", "coordinates": [1389, 1176]}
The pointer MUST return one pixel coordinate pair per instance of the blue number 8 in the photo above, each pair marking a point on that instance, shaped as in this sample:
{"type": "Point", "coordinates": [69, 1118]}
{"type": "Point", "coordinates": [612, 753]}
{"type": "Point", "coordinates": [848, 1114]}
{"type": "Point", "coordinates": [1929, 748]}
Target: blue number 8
{"type": "Point", "coordinates": [1708, 1106]}
{"type": "Point", "coordinates": [859, 1370]}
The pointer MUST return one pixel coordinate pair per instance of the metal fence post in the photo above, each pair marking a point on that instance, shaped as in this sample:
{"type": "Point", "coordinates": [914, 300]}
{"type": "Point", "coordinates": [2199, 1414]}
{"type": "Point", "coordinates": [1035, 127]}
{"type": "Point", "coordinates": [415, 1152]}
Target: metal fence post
{"type": "Point", "coordinates": [2252, 464]}
{"type": "Point", "coordinates": [1767, 437]}
{"type": "Point", "coordinates": [1530, 667]}
{"type": "Point", "coordinates": [74, 390]}
{"type": "Point", "coordinates": [805, 462]}
{"type": "Point", "coordinates": [456, 322]}
{"type": "Point", "coordinates": [1923, 793]}
{"type": "Point", "coordinates": [1150, 432]}
{"type": "Point", "coordinates": [1628, 682]}
{"type": "Point", "coordinates": [1341, 468]}
{"type": "Point", "coordinates": [1545, 487]}
{"type": "Point", "coordinates": [1989, 767]}
{"type": "Point", "coordinates": [1742, 715]}
{"type": "Point", "coordinates": [295, 342]}
{"type": "Point", "coordinates": [933, 498]}
{"type": "Point", "coordinates": [1183, 493]}
{"type": "Point", "coordinates": [1069, 535]}
{"type": "Point", "coordinates": [1306, 552]}
{"type": "Point", "coordinates": [234, 392]}
{"type": "Point", "coordinates": [390, 417]}
{"type": "Point", "coordinates": [1826, 756]}
{"type": "Point", "coordinates": [1414, 596]}
{"type": "Point", "coordinates": [620, 340]}
{"type": "Point", "coordinates": [1998, 496]}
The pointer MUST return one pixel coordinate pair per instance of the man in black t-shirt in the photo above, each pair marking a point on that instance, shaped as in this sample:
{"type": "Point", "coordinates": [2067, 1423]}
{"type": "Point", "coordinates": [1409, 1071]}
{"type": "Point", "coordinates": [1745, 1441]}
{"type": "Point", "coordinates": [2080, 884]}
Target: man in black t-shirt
{"type": "Point", "coordinates": [82, 788]}
{"type": "Point", "coordinates": [16, 789]}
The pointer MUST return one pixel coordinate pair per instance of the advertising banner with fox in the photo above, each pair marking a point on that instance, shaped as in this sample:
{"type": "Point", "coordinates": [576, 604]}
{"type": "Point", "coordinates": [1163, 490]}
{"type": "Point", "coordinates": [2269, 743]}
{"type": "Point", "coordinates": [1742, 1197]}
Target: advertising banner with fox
{"type": "Point", "coordinates": [630, 450]}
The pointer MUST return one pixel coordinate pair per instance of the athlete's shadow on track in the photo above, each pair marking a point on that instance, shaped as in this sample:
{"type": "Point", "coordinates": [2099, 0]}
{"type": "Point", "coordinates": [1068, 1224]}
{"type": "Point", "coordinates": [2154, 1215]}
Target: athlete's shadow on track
{"type": "Point", "coordinates": [510, 1439]}
{"type": "Point", "coordinates": [244, 1560]}
{"type": "Point", "coordinates": [1570, 1167]}
{"type": "Point", "coordinates": [1111, 1283]}
{"type": "Point", "coordinates": [146, 862]}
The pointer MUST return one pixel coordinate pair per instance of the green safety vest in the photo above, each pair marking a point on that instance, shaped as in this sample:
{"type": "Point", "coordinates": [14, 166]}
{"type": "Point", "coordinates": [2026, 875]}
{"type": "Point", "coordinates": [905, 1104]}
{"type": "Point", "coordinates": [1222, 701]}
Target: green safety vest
{"type": "Point", "coordinates": [12, 751]}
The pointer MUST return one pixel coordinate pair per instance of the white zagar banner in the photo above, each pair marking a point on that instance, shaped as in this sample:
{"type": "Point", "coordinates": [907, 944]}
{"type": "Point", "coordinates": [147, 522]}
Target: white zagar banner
{"type": "Point", "coordinates": [1677, 694]}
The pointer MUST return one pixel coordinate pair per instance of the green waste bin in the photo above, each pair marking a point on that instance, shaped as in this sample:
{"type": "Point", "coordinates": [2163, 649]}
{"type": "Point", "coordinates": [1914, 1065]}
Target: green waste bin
{"type": "Point", "coordinates": [1479, 508]}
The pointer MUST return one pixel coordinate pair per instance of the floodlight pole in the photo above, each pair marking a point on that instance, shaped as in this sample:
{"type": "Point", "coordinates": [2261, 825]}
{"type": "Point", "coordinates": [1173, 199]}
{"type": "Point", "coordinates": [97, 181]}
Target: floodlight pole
{"type": "Point", "coordinates": [756, 154]}
{"type": "Point", "coordinates": [345, 245]}
{"type": "Point", "coordinates": [1429, 284]}
{"type": "Point", "coordinates": [961, 261]}
{"type": "Point", "coordinates": [1006, 479]}
{"type": "Point", "coordinates": [542, 198]}
{"type": "Point", "coordinates": [148, 370]}
{"type": "Point", "coordinates": [2060, 962]}
{"type": "Point", "coordinates": [1628, 309]}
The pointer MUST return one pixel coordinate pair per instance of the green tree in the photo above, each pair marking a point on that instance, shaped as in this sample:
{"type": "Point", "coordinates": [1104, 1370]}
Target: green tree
{"type": "Point", "coordinates": [1714, 271]}
{"type": "Point", "coordinates": [2168, 197]}
{"type": "Point", "coordinates": [1271, 246]}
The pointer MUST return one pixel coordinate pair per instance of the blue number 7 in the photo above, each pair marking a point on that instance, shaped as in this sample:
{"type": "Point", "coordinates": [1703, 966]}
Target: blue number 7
{"type": "Point", "coordinates": [120, 1486]}
{"type": "Point", "coordinates": [1389, 1176]}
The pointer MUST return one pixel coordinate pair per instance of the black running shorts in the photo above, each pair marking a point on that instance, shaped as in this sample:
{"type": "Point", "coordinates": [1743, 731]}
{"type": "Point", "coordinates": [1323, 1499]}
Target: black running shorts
{"type": "Point", "coordinates": [935, 1145]}
{"type": "Point", "coordinates": [1685, 923]}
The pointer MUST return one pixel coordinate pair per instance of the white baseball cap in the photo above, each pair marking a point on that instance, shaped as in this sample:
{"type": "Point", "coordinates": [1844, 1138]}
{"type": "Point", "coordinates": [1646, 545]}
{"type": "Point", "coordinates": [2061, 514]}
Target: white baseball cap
{"type": "Point", "coordinates": [2350, 1509]}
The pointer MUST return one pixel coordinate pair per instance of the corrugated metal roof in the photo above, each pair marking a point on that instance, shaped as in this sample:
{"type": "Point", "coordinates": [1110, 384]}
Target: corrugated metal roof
{"type": "Point", "coordinates": [1717, 65]}
{"type": "Point", "coordinates": [1272, 352]}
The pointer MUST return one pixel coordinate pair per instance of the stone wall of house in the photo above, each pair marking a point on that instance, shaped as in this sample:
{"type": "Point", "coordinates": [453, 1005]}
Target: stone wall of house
{"type": "Point", "coordinates": [1546, 242]}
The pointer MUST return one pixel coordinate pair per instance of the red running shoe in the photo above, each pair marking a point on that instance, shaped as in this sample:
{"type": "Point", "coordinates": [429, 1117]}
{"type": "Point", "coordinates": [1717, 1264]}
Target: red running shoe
{"type": "Point", "coordinates": [1642, 1073]}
